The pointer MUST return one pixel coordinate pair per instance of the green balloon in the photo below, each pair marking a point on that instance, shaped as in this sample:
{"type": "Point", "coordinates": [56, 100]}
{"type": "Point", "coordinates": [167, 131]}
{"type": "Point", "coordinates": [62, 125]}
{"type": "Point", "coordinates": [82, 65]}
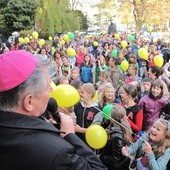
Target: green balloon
{"type": "Point", "coordinates": [114, 53]}
{"type": "Point", "coordinates": [131, 38]}
{"type": "Point", "coordinates": [107, 111]}
{"type": "Point", "coordinates": [71, 36]}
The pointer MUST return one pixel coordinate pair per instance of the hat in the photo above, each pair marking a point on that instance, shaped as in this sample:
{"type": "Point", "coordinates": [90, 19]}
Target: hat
{"type": "Point", "coordinates": [15, 68]}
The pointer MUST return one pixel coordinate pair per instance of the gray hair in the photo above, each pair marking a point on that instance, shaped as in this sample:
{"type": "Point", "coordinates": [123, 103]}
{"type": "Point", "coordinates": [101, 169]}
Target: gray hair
{"type": "Point", "coordinates": [35, 84]}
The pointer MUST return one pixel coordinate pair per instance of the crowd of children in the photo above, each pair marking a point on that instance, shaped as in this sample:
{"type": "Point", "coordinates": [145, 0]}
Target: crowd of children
{"type": "Point", "coordinates": [138, 95]}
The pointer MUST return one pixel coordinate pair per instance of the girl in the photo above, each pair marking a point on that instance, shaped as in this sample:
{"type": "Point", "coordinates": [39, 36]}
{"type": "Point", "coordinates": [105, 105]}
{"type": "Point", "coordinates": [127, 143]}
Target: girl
{"type": "Point", "coordinates": [98, 67]}
{"type": "Point", "coordinates": [132, 74]}
{"type": "Point", "coordinates": [116, 74]}
{"type": "Point", "coordinates": [132, 60]}
{"type": "Point", "coordinates": [153, 147]}
{"type": "Point", "coordinates": [133, 112]}
{"type": "Point", "coordinates": [87, 111]}
{"type": "Point", "coordinates": [104, 78]}
{"type": "Point", "coordinates": [119, 136]}
{"type": "Point", "coordinates": [86, 69]}
{"type": "Point", "coordinates": [108, 96]}
{"type": "Point", "coordinates": [75, 74]}
{"type": "Point", "coordinates": [66, 67]}
{"type": "Point", "coordinates": [155, 72]}
{"type": "Point", "coordinates": [152, 104]}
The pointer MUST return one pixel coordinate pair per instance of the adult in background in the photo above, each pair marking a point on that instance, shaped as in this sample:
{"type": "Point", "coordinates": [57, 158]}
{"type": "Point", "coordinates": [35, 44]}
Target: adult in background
{"type": "Point", "coordinates": [26, 141]}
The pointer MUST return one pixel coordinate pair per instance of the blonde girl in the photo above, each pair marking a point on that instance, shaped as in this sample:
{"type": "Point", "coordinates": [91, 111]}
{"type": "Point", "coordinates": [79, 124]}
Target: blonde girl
{"type": "Point", "coordinates": [153, 147]}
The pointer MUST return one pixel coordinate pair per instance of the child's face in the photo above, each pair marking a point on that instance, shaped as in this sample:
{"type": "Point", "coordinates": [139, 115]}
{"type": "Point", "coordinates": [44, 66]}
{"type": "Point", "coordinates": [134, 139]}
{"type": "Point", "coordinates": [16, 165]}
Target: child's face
{"type": "Point", "coordinates": [124, 96]}
{"type": "Point", "coordinates": [146, 86]}
{"type": "Point", "coordinates": [84, 95]}
{"type": "Point", "coordinates": [157, 131]}
{"type": "Point", "coordinates": [65, 61]}
{"type": "Point", "coordinates": [74, 74]}
{"type": "Point", "coordinates": [132, 59]}
{"type": "Point", "coordinates": [156, 91]}
{"type": "Point", "coordinates": [87, 58]}
{"type": "Point", "coordinates": [102, 77]}
{"type": "Point", "coordinates": [109, 94]}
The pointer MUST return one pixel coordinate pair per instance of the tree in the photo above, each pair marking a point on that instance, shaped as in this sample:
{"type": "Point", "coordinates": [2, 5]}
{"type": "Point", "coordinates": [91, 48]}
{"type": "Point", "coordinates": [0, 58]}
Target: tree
{"type": "Point", "coordinates": [82, 19]}
{"type": "Point", "coordinates": [139, 12]}
{"type": "Point", "coordinates": [147, 12]}
{"type": "Point", "coordinates": [16, 15]}
{"type": "Point", "coordinates": [53, 16]}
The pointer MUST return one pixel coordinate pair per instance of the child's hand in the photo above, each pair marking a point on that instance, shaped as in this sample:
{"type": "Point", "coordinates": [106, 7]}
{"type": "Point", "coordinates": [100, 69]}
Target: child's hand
{"type": "Point", "coordinates": [77, 128]}
{"type": "Point", "coordinates": [147, 148]}
{"type": "Point", "coordinates": [124, 151]}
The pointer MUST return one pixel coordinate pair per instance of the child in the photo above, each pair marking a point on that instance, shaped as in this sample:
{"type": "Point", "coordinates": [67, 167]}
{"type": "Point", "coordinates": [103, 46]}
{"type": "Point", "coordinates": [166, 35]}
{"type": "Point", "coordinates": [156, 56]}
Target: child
{"type": "Point", "coordinates": [153, 147]}
{"type": "Point", "coordinates": [104, 78]}
{"type": "Point", "coordinates": [87, 111]}
{"type": "Point", "coordinates": [119, 136]}
{"type": "Point", "coordinates": [152, 103]}
{"type": "Point", "coordinates": [107, 96]}
{"type": "Point", "coordinates": [66, 67]}
{"type": "Point", "coordinates": [133, 111]}
{"type": "Point", "coordinates": [146, 85]}
{"type": "Point", "coordinates": [75, 74]}
{"type": "Point", "coordinates": [98, 67]}
{"type": "Point", "coordinates": [86, 69]}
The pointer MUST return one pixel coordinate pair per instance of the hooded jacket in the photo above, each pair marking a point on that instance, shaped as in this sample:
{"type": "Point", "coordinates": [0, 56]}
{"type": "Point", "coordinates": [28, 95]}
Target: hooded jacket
{"type": "Point", "coordinates": [87, 116]}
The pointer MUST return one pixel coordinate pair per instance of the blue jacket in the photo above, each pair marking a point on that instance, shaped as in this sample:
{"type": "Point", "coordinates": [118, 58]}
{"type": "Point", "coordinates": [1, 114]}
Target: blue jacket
{"type": "Point", "coordinates": [159, 163]}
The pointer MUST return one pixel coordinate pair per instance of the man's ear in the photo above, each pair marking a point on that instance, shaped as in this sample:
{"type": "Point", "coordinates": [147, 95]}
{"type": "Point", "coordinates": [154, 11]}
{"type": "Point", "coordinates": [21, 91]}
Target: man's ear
{"type": "Point", "coordinates": [28, 103]}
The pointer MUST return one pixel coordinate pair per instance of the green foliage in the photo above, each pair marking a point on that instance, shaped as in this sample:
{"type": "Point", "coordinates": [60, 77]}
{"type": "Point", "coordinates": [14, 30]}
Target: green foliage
{"type": "Point", "coordinates": [16, 15]}
{"type": "Point", "coordinates": [54, 16]}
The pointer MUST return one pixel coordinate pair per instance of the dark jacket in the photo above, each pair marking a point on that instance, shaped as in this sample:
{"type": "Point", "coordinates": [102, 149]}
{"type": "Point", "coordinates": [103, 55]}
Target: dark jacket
{"type": "Point", "coordinates": [85, 116]}
{"type": "Point", "coordinates": [111, 155]}
{"type": "Point", "coordinates": [28, 143]}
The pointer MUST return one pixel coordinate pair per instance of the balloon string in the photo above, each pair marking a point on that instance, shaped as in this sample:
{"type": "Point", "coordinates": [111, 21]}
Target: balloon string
{"type": "Point", "coordinates": [112, 118]}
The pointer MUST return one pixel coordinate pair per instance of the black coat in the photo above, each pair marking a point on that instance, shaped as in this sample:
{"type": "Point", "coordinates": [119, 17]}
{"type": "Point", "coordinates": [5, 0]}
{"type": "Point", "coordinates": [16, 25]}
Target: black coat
{"type": "Point", "coordinates": [28, 143]}
{"type": "Point", "coordinates": [111, 155]}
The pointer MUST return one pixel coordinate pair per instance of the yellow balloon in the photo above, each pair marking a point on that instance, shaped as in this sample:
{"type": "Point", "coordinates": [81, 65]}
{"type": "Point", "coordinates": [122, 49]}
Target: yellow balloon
{"type": "Point", "coordinates": [104, 32]}
{"type": "Point", "coordinates": [95, 98]}
{"type": "Point", "coordinates": [50, 38]}
{"type": "Point", "coordinates": [35, 35]}
{"type": "Point", "coordinates": [158, 60]}
{"type": "Point", "coordinates": [62, 42]}
{"type": "Point", "coordinates": [65, 95]}
{"type": "Point", "coordinates": [41, 42]}
{"type": "Point", "coordinates": [65, 37]}
{"type": "Point", "coordinates": [143, 53]}
{"type": "Point", "coordinates": [71, 52]}
{"type": "Point", "coordinates": [21, 40]}
{"type": "Point", "coordinates": [95, 43]}
{"type": "Point", "coordinates": [124, 65]}
{"type": "Point", "coordinates": [31, 37]}
{"type": "Point", "coordinates": [96, 136]}
{"type": "Point", "coordinates": [117, 36]}
{"type": "Point", "coordinates": [27, 40]}
{"type": "Point", "coordinates": [150, 28]}
{"type": "Point", "coordinates": [124, 44]}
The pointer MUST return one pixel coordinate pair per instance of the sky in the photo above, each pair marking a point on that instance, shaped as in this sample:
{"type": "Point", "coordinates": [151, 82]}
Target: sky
{"type": "Point", "coordinates": [87, 9]}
